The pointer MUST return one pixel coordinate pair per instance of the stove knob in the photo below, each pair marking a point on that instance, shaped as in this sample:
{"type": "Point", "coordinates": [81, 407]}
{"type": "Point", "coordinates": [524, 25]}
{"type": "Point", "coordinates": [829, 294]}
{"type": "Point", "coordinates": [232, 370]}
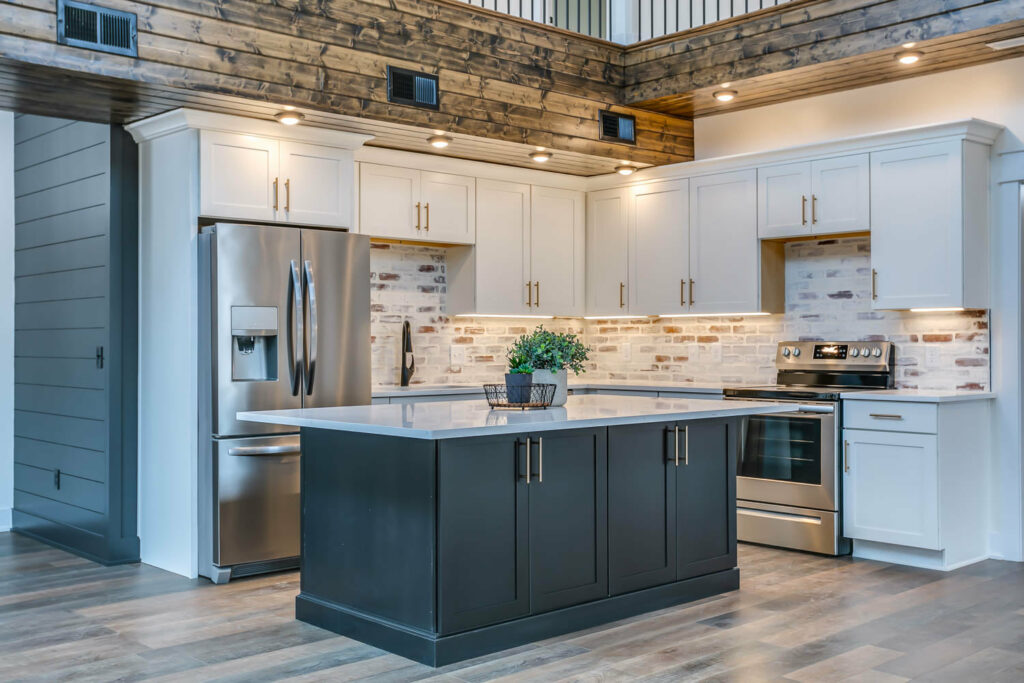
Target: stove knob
{"type": "Point", "coordinates": [855, 352]}
{"type": "Point", "coordinates": [785, 351]}
{"type": "Point", "coordinates": [796, 352]}
{"type": "Point", "coordinates": [865, 351]}
{"type": "Point", "coordinates": [877, 353]}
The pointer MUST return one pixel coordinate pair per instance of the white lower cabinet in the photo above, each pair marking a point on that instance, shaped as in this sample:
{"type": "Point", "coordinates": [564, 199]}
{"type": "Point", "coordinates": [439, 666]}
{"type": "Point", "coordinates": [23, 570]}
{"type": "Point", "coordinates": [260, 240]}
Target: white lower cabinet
{"type": "Point", "coordinates": [892, 489]}
{"type": "Point", "coordinates": [915, 487]}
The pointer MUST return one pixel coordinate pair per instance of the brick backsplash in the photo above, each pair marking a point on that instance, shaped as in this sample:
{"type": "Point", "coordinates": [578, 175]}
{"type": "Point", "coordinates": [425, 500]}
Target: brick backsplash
{"type": "Point", "coordinates": [828, 296]}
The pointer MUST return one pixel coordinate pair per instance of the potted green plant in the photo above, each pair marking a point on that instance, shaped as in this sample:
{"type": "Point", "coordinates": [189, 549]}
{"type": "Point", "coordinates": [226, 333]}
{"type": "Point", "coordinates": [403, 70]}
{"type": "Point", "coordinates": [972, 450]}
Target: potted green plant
{"type": "Point", "coordinates": [519, 378]}
{"type": "Point", "coordinates": [551, 355]}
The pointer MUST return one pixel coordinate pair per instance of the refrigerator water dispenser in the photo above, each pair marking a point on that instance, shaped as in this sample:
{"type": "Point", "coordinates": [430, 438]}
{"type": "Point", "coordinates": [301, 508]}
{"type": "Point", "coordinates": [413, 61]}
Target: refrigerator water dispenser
{"type": "Point", "coordinates": [254, 343]}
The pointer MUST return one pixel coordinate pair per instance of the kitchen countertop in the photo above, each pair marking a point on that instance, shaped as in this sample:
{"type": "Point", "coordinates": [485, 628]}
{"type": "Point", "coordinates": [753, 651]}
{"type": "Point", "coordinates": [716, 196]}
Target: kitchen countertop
{"type": "Point", "coordinates": [455, 419]}
{"type": "Point", "coordinates": [389, 391]}
{"type": "Point", "coordinates": [917, 396]}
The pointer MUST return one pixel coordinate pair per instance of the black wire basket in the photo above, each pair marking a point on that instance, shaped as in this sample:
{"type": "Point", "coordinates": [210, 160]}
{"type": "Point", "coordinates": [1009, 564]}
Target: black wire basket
{"type": "Point", "coordinates": [541, 396]}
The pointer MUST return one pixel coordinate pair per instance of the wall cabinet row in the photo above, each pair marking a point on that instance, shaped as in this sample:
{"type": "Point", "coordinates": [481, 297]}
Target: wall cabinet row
{"type": "Point", "coordinates": [408, 204]}
{"type": "Point", "coordinates": [681, 246]}
{"type": "Point", "coordinates": [530, 258]}
{"type": "Point", "coordinates": [247, 177]}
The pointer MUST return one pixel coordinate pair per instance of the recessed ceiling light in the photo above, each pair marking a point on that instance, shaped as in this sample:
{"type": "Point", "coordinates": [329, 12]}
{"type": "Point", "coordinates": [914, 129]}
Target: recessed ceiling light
{"type": "Point", "coordinates": [908, 57]}
{"type": "Point", "coordinates": [288, 107]}
{"type": "Point", "coordinates": [725, 95]}
{"type": "Point", "coordinates": [907, 46]}
{"type": "Point", "coordinates": [1007, 44]}
{"type": "Point", "coordinates": [625, 170]}
{"type": "Point", "coordinates": [289, 118]}
{"type": "Point", "coordinates": [439, 141]}
{"type": "Point", "coordinates": [540, 157]}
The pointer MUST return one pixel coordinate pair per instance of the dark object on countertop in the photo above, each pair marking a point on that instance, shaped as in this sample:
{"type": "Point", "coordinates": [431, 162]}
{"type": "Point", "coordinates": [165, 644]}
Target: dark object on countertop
{"type": "Point", "coordinates": [517, 386]}
{"type": "Point", "coordinates": [408, 361]}
{"type": "Point", "coordinates": [519, 397]}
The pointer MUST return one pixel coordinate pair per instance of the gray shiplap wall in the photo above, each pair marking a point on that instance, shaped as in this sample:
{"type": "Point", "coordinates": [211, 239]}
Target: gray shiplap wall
{"type": "Point", "coordinates": [74, 253]}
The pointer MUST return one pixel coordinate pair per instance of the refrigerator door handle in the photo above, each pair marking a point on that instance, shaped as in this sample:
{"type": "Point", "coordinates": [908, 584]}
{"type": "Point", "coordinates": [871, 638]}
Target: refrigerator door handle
{"type": "Point", "coordinates": [265, 450]}
{"type": "Point", "coordinates": [313, 328]}
{"type": "Point", "coordinates": [296, 332]}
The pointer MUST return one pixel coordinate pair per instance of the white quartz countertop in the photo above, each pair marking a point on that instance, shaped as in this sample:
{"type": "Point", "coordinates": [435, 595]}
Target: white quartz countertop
{"type": "Point", "coordinates": [917, 396]}
{"type": "Point", "coordinates": [389, 391]}
{"type": "Point", "coordinates": [455, 419]}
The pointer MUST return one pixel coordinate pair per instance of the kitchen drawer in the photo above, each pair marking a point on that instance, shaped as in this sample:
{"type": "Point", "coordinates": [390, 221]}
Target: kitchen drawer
{"type": "Point", "coordinates": [891, 416]}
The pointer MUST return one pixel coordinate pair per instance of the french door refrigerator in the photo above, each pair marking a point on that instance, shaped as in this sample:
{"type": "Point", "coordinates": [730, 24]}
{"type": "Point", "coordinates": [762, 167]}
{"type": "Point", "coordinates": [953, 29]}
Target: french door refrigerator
{"type": "Point", "coordinates": [284, 322]}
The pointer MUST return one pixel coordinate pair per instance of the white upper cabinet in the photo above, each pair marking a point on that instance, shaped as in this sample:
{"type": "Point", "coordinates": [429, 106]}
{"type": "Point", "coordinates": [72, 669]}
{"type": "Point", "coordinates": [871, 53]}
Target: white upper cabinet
{"type": "Point", "coordinates": [820, 197]}
{"type": "Point", "coordinates": [557, 246]}
{"type": "Point", "coordinates": [449, 207]}
{"type": "Point", "coordinates": [317, 184]}
{"type": "Point", "coordinates": [659, 248]}
{"type": "Point", "coordinates": [783, 196]}
{"type": "Point", "coordinates": [725, 257]}
{"type": "Point", "coordinates": [238, 176]}
{"type": "Point", "coordinates": [840, 195]}
{"type": "Point", "coordinates": [607, 248]}
{"type": "Point", "coordinates": [247, 177]}
{"type": "Point", "coordinates": [388, 197]}
{"type": "Point", "coordinates": [929, 236]}
{"type": "Point", "coordinates": [405, 203]}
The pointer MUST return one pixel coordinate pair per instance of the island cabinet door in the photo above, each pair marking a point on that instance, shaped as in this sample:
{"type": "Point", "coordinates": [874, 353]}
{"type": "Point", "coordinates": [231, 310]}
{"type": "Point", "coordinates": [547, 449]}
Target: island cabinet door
{"type": "Point", "coordinates": [641, 507]}
{"type": "Point", "coordinates": [706, 498]}
{"type": "Point", "coordinates": [483, 540]}
{"type": "Point", "coordinates": [568, 518]}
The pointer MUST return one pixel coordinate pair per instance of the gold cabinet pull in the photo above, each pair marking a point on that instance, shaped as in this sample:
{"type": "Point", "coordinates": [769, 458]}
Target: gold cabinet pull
{"type": "Point", "coordinates": [529, 293]}
{"type": "Point", "coordinates": [803, 209]}
{"type": "Point", "coordinates": [682, 292]}
{"type": "Point", "coordinates": [417, 215]}
{"type": "Point", "coordinates": [427, 207]}
{"type": "Point", "coordinates": [275, 194]}
{"type": "Point", "coordinates": [874, 284]}
{"type": "Point", "coordinates": [622, 290]}
{"type": "Point", "coordinates": [287, 194]}
{"type": "Point", "coordinates": [884, 416]}
{"type": "Point", "coordinates": [691, 291]}
{"type": "Point", "coordinates": [846, 456]}
{"type": "Point", "coordinates": [814, 209]}
{"type": "Point", "coordinates": [537, 293]}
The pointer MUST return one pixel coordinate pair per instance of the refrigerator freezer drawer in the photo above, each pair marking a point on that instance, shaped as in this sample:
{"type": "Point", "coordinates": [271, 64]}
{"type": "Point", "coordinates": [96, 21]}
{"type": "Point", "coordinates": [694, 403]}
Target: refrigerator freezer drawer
{"type": "Point", "coordinates": [256, 517]}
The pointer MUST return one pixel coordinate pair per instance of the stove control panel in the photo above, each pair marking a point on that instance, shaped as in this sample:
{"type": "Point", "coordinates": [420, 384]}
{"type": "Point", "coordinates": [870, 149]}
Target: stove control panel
{"type": "Point", "coordinates": [817, 354]}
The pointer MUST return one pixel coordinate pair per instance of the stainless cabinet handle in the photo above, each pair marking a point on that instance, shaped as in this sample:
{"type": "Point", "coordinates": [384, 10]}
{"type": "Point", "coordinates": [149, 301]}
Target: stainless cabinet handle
{"type": "Point", "coordinates": [427, 207]}
{"type": "Point", "coordinates": [846, 456]}
{"type": "Point", "coordinates": [313, 328]}
{"type": "Point", "coordinates": [874, 284]}
{"type": "Point", "coordinates": [691, 291]}
{"type": "Point", "coordinates": [814, 209]}
{"type": "Point", "coordinates": [540, 460]}
{"type": "Point", "coordinates": [803, 210]}
{"type": "Point", "coordinates": [686, 446]}
{"type": "Point", "coordinates": [287, 194]}
{"type": "Point", "coordinates": [417, 215]}
{"type": "Point", "coordinates": [265, 450]}
{"type": "Point", "coordinates": [275, 194]}
{"type": "Point", "coordinates": [529, 293]}
{"type": "Point", "coordinates": [529, 456]}
{"type": "Point", "coordinates": [676, 428]}
{"type": "Point", "coordinates": [885, 416]}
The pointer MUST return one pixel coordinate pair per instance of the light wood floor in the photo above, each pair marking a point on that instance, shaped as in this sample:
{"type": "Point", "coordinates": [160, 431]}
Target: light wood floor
{"type": "Point", "coordinates": [797, 617]}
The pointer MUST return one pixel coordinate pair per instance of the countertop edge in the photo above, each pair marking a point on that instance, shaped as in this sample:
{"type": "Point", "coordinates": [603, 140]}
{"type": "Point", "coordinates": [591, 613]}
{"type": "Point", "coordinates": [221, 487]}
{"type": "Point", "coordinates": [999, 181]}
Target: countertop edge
{"type": "Point", "coordinates": [908, 397]}
{"type": "Point", "coordinates": [440, 390]}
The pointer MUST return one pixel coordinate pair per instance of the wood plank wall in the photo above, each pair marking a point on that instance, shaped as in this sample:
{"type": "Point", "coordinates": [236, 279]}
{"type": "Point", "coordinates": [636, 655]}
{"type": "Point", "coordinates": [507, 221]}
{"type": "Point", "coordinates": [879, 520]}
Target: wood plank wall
{"type": "Point", "coordinates": [499, 78]}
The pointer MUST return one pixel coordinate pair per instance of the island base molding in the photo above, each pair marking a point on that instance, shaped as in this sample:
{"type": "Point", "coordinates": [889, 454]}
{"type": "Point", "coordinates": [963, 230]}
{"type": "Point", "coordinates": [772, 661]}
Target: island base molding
{"type": "Point", "coordinates": [433, 650]}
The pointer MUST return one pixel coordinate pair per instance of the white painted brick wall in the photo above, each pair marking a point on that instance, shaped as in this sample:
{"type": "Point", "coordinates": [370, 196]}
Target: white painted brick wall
{"type": "Point", "coordinates": [827, 297]}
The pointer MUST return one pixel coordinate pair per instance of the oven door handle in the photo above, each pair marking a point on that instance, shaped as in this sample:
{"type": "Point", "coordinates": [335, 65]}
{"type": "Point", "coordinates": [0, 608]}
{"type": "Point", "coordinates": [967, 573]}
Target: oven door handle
{"type": "Point", "coordinates": [817, 409]}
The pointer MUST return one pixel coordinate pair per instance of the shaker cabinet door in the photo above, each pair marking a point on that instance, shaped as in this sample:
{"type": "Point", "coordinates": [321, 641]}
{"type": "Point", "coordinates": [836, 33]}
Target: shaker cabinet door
{"type": "Point", "coordinates": [316, 185]}
{"type": "Point", "coordinates": [483, 541]}
{"type": "Point", "coordinates": [387, 202]}
{"type": "Point", "coordinates": [641, 507]}
{"type": "Point", "coordinates": [502, 264]}
{"type": "Point", "coordinates": [607, 249]}
{"type": "Point", "coordinates": [660, 248]}
{"type": "Point", "coordinates": [783, 200]}
{"type": "Point", "coordinates": [557, 250]}
{"type": "Point", "coordinates": [568, 518]}
{"type": "Point", "coordinates": [840, 196]}
{"type": "Point", "coordinates": [449, 207]}
{"type": "Point", "coordinates": [238, 176]}
{"type": "Point", "coordinates": [706, 499]}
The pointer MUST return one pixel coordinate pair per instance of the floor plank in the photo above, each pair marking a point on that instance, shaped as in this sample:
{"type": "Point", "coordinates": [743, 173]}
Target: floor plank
{"type": "Point", "coordinates": [797, 617]}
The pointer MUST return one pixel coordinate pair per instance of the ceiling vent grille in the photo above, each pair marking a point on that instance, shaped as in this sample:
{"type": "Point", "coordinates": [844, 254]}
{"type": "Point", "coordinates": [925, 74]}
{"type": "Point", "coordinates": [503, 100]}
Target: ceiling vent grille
{"type": "Point", "coordinates": [618, 127]}
{"type": "Point", "coordinates": [409, 87]}
{"type": "Point", "coordinates": [96, 28]}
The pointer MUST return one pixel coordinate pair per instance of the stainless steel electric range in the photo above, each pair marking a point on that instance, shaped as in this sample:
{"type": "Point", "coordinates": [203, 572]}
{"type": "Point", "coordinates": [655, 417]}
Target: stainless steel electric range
{"type": "Point", "coordinates": [789, 475]}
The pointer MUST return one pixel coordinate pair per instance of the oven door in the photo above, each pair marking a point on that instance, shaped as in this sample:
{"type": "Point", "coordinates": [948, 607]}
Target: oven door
{"type": "Point", "coordinates": [790, 458]}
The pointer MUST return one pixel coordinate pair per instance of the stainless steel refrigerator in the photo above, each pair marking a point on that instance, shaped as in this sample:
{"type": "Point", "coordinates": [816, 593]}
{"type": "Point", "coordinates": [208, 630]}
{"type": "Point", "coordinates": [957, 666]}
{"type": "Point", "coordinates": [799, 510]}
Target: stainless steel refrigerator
{"type": "Point", "coordinates": [284, 322]}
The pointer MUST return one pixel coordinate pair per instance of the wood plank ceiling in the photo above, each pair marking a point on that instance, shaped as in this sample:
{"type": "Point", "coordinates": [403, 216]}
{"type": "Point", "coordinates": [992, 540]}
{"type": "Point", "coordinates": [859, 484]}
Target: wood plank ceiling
{"type": "Point", "coordinates": [507, 85]}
